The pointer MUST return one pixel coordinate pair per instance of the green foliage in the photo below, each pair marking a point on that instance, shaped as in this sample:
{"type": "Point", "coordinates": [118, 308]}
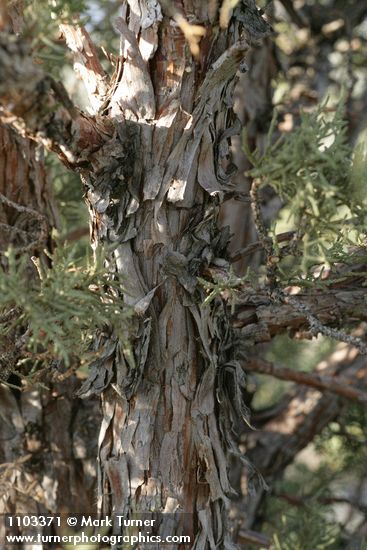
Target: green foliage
{"type": "Point", "coordinates": [306, 529]}
{"type": "Point", "coordinates": [46, 15]}
{"type": "Point", "coordinates": [71, 209]}
{"type": "Point", "coordinates": [297, 517]}
{"type": "Point", "coordinates": [301, 510]}
{"type": "Point", "coordinates": [315, 154]}
{"type": "Point", "coordinates": [65, 307]}
{"type": "Point", "coordinates": [229, 286]}
{"type": "Point", "coordinates": [42, 19]}
{"type": "Point", "coordinates": [322, 185]}
{"type": "Point", "coordinates": [343, 441]}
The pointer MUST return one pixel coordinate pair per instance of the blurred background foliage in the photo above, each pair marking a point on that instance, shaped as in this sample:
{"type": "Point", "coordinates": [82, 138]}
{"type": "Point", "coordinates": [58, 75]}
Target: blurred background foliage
{"type": "Point", "coordinates": [321, 501]}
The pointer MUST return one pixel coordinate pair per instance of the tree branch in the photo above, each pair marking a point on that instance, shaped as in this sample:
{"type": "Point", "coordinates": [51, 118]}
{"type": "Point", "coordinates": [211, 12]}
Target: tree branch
{"type": "Point", "coordinates": [339, 385]}
{"type": "Point", "coordinates": [253, 538]}
{"type": "Point", "coordinates": [306, 413]}
{"type": "Point", "coordinates": [39, 108]}
{"type": "Point", "coordinates": [260, 318]}
{"type": "Point", "coordinates": [296, 500]}
{"type": "Point", "coordinates": [258, 245]}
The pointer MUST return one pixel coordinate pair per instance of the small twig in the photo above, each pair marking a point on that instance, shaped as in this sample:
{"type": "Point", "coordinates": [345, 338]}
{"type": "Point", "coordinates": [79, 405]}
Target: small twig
{"type": "Point", "coordinates": [21, 208]}
{"type": "Point", "coordinates": [266, 241]}
{"type": "Point", "coordinates": [13, 229]}
{"type": "Point", "coordinates": [339, 385]}
{"type": "Point", "coordinates": [245, 536]}
{"type": "Point", "coordinates": [37, 264]}
{"type": "Point", "coordinates": [258, 217]}
{"type": "Point", "coordinates": [10, 314]}
{"type": "Point", "coordinates": [64, 375]}
{"type": "Point", "coordinates": [298, 501]}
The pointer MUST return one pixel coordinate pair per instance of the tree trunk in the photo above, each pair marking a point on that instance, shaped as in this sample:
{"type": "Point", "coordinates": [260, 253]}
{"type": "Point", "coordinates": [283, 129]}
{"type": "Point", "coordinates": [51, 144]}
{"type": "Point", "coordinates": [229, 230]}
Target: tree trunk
{"type": "Point", "coordinates": [47, 441]}
{"type": "Point", "coordinates": [154, 196]}
{"type": "Point", "coordinates": [157, 167]}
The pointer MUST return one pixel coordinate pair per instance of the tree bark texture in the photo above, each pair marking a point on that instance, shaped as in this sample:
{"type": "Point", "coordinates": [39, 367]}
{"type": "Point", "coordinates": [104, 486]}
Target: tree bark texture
{"type": "Point", "coordinates": [154, 195]}
{"type": "Point", "coordinates": [47, 437]}
{"type": "Point", "coordinates": [156, 162]}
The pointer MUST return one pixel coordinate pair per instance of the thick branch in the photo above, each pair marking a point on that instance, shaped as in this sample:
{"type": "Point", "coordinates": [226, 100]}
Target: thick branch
{"type": "Point", "coordinates": [86, 63]}
{"type": "Point", "coordinates": [306, 412]}
{"type": "Point", "coordinates": [39, 108]}
{"type": "Point", "coordinates": [261, 318]}
{"type": "Point", "coordinates": [339, 385]}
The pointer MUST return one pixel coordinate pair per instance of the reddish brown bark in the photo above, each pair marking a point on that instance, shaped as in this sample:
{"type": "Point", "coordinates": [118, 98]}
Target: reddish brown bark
{"type": "Point", "coordinates": [162, 444]}
{"type": "Point", "coordinates": [47, 440]}
{"type": "Point", "coordinates": [157, 164]}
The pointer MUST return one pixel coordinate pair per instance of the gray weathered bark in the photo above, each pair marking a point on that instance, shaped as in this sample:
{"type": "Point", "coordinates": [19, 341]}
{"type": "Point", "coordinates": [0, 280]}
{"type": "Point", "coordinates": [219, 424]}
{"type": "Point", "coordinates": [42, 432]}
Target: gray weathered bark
{"type": "Point", "coordinates": [155, 194]}
{"type": "Point", "coordinates": [156, 163]}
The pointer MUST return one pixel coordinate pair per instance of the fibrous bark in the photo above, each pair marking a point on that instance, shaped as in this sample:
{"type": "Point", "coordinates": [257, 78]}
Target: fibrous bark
{"type": "Point", "coordinates": [47, 440]}
{"type": "Point", "coordinates": [155, 196]}
{"type": "Point", "coordinates": [156, 164]}
{"type": "Point", "coordinates": [154, 187]}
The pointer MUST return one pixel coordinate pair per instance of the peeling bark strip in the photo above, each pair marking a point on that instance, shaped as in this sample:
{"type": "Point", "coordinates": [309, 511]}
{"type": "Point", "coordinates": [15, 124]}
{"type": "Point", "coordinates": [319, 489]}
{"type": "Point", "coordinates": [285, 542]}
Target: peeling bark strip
{"type": "Point", "coordinates": [86, 63]}
{"type": "Point", "coordinates": [154, 193]}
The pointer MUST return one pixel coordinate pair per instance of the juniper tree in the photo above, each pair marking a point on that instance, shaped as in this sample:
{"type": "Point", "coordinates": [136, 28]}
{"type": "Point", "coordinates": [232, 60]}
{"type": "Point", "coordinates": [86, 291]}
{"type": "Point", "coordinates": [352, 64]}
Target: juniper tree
{"type": "Point", "coordinates": [173, 326]}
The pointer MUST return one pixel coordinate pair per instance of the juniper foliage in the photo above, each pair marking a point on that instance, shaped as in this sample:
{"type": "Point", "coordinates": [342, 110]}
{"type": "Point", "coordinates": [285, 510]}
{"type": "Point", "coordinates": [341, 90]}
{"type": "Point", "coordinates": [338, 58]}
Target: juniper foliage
{"type": "Point", "coordinates": [321, 182]}
{"type": "Point", "coordinates": [65, 305]}
{"type": "Point", "coordinates": [306, 529]}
